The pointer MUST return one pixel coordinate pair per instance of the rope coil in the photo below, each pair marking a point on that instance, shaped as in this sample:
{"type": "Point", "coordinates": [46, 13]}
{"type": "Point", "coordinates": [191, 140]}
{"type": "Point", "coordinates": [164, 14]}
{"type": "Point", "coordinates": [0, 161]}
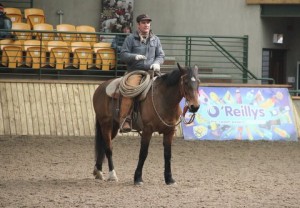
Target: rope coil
{"type": "Point", "coordinates": [133, 91]}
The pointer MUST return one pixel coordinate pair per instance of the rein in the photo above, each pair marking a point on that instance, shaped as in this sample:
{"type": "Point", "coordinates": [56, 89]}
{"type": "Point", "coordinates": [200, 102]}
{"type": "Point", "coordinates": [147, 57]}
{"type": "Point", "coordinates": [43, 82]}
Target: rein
{"type": "Point", "coordinates": [181, 118]}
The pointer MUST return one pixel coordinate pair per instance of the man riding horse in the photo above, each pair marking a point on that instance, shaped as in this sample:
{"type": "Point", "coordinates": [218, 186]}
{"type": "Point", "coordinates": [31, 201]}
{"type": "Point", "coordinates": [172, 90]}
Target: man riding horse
{"type": "Point", "coordinates": [141, 50]}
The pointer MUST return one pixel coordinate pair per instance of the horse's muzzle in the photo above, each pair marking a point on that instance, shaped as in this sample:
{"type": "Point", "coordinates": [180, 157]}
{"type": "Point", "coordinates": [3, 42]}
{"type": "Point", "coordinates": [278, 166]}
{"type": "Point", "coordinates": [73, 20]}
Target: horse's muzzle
{"type": "Point", "coordinates": [193, 109]}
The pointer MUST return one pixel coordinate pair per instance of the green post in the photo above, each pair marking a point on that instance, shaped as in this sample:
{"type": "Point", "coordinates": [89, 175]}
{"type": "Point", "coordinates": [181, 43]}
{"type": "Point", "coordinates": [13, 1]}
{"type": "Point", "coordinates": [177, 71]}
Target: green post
{"type": "Point", "coordinates": [188, 45]}
{"type": "Point", "coordinates": [245, 58]}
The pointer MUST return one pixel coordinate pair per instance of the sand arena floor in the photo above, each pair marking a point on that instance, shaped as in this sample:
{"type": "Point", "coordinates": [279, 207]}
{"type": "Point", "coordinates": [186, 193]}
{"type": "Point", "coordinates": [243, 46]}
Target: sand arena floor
{"type": "Point", "coordinates": [57, 172]}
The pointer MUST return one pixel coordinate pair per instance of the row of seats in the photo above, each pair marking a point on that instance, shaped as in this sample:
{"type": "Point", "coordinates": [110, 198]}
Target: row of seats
{"type": "Point", "coordinates": [31, 15]}
{"type": "Point", "coordinates": [35, 20]}
{"type": "Point", "coordinates": [46, 32]}
{"type": "Point", "coordinates": [57, 54]}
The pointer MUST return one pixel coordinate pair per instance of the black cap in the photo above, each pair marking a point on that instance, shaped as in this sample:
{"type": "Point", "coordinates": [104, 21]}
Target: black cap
{"type": "Point", "coordinates": [143, 17]}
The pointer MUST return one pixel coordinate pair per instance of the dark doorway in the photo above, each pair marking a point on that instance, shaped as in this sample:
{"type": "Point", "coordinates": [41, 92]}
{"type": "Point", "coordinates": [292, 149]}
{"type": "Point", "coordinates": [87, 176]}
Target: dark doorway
{"type": "Point", "coordinates": [273, 65]}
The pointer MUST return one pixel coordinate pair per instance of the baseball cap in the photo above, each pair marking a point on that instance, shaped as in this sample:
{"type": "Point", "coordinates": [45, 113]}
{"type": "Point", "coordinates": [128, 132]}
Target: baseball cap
{"type": "Point", "coordinates": [143, 17]}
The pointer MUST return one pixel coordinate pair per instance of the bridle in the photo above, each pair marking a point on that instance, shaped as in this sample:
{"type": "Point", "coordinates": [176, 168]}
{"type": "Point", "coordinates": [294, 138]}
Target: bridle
{"type": "Point", "coordinates": [182, 92]}
{"type": "Point", "coordinates": [185, 108]}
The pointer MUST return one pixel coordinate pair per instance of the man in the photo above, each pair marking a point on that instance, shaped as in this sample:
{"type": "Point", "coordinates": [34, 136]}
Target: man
{"type": "Point", "coordinates": [5, 23]}
{"type": "Point", "coordinates": [141, 50]}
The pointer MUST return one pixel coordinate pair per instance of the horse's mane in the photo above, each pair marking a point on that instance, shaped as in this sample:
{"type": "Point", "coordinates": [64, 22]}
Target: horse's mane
{"type": "Point", "coordinates": [171, 78]}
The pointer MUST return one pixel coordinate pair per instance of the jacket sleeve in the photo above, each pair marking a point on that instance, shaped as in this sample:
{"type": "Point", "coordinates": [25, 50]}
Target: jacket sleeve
{"type": "Point", "coordinates": [159, 54]}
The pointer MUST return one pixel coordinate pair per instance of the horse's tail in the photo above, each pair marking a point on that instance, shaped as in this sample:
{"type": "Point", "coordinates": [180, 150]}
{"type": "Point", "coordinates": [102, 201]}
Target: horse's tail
{"type": "Point", "coordinates": [99, 142]}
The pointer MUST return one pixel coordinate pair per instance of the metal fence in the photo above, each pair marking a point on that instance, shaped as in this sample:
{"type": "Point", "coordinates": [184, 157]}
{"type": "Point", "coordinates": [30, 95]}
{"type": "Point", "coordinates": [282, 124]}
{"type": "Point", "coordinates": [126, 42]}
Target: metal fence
{"type": "Point", "coordinates": [224, 58]}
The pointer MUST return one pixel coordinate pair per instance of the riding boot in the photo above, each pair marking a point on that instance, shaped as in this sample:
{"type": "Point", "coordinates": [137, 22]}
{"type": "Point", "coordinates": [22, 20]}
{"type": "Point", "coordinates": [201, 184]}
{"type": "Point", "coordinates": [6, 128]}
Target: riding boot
{"type": "Point", "coordinates": [125, 114]}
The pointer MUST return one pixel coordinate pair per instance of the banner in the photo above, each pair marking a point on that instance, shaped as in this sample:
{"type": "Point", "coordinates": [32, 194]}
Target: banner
{"type": "Point", "coordinates": [116, 14]}
{"type": "Point", "coordinates": [229, 113]}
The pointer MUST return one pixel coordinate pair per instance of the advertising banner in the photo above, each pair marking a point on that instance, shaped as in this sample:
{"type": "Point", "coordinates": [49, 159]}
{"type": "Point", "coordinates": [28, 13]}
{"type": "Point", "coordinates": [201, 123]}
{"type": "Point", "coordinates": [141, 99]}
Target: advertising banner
{"type": "Point", "coordinates": [233, 113]}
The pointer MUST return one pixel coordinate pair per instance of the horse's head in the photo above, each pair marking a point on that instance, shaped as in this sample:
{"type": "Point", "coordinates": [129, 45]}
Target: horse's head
{"type": "Point", "coordinates": [189, 87]}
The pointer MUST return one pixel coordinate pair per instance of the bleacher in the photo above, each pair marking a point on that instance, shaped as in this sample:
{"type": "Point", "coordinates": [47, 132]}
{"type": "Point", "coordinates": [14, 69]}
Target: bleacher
{"type": "Point", "coordinates": [63, 49]}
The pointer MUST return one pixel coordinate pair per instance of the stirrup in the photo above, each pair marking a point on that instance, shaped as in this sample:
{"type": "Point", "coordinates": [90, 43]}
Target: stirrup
{"type": "Point", "coordinates": [127, 129]}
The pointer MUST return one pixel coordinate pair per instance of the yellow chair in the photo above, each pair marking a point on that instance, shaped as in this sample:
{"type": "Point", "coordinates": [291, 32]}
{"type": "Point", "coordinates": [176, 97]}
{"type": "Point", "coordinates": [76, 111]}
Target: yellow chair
{"type": "Point", "coordinates": [14, 14]}
{"type": "Point", "coordinates": [67, 37]}
{"type": "Point", "coordinates": [105, 56]}
{"type": "Point", "coordinates": [59, 54]}
{"type": "Point", "coordinates": [84, 37]}
{"type": "Point", "coordinates": [82, 55]}
{"type": "Point", "coordinates": [35, 54]}
{"type": "Point", "coordinates": [44, 36]}
{"type": "Point", "coordinates": [11, 53]}
{"type": "Point", "coordinates": [24, 33]}
{"type": "Point", "coordinates": [34, 16]}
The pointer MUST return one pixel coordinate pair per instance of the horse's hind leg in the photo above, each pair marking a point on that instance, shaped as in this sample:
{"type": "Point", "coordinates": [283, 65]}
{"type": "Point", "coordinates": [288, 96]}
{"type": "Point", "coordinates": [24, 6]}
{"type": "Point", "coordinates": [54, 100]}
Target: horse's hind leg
{"type": "Point", "coordinates": [103, 148]}
{"type": "Point", "coordinates": [110, 134]}
{"type": "Point", "coordinates": [99, 152]}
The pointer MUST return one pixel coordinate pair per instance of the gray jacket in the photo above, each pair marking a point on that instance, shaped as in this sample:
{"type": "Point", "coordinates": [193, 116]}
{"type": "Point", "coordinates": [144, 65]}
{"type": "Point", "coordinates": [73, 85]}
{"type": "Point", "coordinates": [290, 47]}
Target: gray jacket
{"type": "Point", "coordinates": [132, 46]}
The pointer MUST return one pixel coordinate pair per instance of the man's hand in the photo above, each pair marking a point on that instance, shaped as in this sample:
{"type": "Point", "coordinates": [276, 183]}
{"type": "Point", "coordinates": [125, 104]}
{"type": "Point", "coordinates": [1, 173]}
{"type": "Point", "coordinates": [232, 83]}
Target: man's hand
{"type": "Point", "coordinates": [155, 67]}
{"type": "Point", "coordinates": [140, 57]}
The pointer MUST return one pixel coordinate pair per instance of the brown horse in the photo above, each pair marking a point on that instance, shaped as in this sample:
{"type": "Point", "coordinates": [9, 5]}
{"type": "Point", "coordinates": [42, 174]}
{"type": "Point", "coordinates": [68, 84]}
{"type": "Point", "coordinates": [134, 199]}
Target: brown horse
{"type": "Point", "coordinates": [159, 112]}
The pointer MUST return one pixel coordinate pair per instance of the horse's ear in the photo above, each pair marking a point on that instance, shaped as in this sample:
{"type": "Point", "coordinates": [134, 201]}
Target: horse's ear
{"type": "Point", "coordinates": [196, 69]}
{"type": "Point", "coordinates": [180, 68]}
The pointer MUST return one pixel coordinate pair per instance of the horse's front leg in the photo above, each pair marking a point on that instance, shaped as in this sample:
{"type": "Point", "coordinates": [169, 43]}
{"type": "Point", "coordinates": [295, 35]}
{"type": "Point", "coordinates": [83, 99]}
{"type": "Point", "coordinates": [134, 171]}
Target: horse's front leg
{"type": "Point", "coordinates": [168, 138]}
{"type": "Point", "coordinates": [145, 141]}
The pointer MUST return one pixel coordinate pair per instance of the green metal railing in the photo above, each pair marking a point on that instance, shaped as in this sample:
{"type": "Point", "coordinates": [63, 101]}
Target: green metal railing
{"type": "Point", "coordinates": [23, 4]}
{"type": "Point", "coordinates": [216, 56]}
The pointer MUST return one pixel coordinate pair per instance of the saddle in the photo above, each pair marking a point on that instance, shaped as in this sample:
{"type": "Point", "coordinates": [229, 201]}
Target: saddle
{"type": "Point", "coordinates": [113, 90]}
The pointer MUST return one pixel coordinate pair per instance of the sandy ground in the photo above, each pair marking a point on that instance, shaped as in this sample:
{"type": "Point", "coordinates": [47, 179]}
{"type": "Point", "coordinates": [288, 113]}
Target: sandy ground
{"type": "Point", "coordinates": [57, 172]}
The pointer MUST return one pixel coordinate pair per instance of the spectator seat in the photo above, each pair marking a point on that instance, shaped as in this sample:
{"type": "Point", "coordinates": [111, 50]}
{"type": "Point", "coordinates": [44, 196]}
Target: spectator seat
{"type": "Point", "coordinates": [105, 56]}
{"type": "Point", "coordinates": [14, 14]}
{"type": "Point", "coordinates": [82, 55]}
{"type": "Point", "coordinates": [59, 54]}
{"type": "Point", "coordinates": [43, 35]}
{"type": "Point", "coordinates": [35, 54]}
{"type": "Point", "coordinates": [84, 36]}
{"type": "Point", "coordinates": [34, 16]}
{"type": "Point", "coordinates": [64, 36]}
{"type": "Point", "coordinates": [11, 53]}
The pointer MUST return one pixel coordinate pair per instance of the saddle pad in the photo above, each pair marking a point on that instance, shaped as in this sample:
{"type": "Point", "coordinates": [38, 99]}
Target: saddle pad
{"type": "Point", "coordinates": [112, 89]}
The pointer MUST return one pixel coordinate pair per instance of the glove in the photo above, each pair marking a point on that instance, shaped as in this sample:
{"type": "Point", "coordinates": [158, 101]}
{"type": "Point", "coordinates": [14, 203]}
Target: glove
{"type": "Point", "coordinates": [155, 67]}
{"type": "Point", "coordinates": [140, 57]}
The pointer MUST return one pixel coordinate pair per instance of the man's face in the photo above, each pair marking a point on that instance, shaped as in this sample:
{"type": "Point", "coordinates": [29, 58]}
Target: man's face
{"type": "Point", "coordinates": [144, 26]}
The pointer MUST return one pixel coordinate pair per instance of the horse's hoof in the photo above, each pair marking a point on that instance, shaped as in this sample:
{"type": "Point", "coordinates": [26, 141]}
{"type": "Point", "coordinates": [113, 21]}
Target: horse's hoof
{"type": "Point", "coordinates": [171, 182]}
{"type": "Point", "coordinates": [98, 174]}
{"type": "Point", "coordinates": [139, 183]}
{"type": "Point", "coordinates": [112, 176]}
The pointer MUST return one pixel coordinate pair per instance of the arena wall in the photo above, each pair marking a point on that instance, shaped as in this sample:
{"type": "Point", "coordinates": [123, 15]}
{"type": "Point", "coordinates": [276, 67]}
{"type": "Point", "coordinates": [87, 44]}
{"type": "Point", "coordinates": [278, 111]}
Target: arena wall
{"type": "Point", "coordinates": [56, 108]}
{"type": "Point", "coordinates": [30, 107]}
